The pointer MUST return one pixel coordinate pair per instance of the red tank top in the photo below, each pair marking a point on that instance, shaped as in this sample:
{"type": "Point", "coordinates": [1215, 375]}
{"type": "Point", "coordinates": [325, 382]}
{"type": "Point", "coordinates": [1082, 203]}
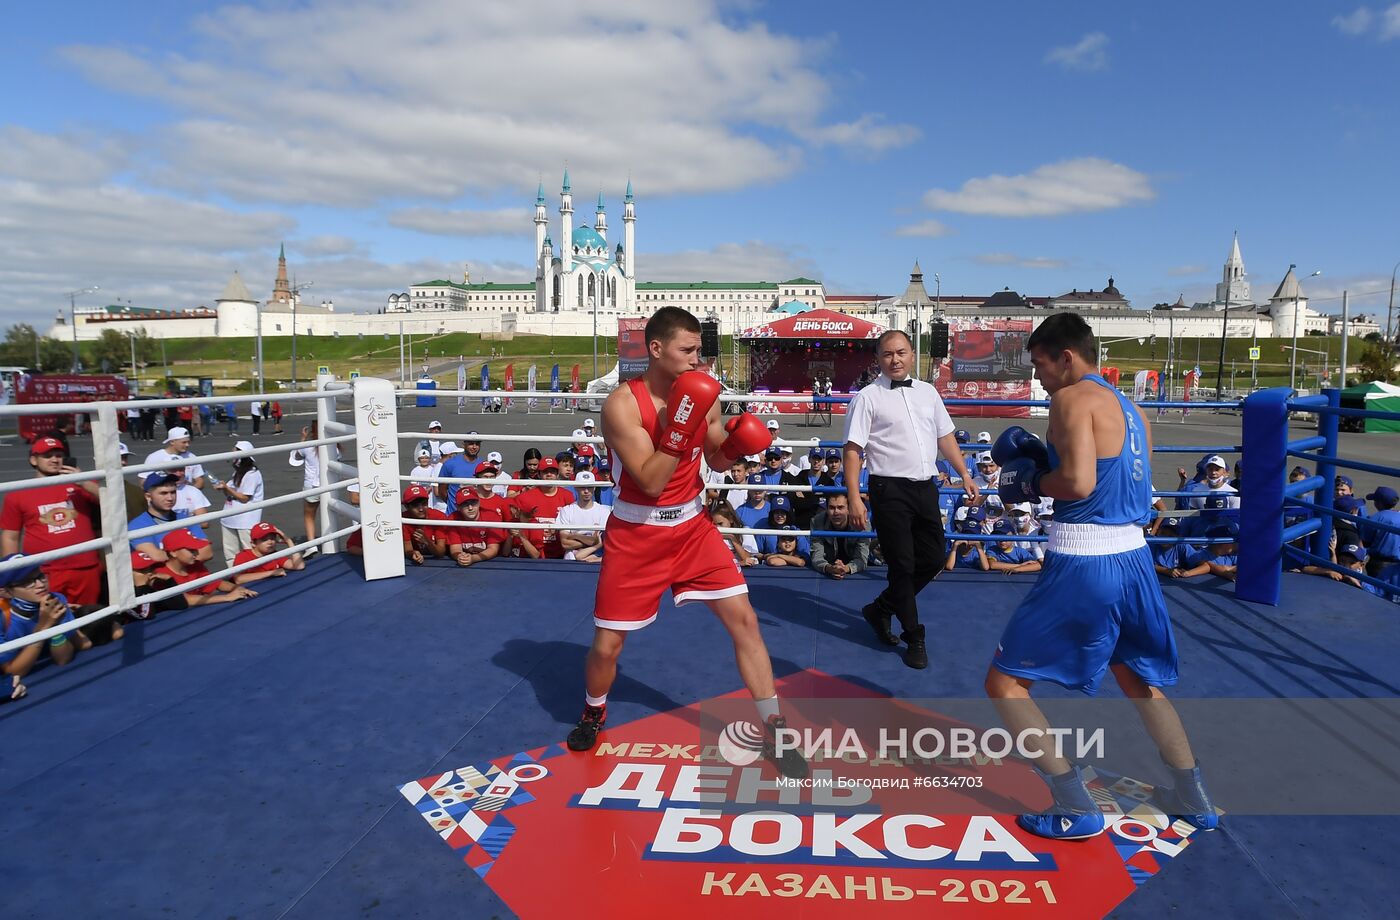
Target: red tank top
{"type": "Point", "coordinates": [685, 483]}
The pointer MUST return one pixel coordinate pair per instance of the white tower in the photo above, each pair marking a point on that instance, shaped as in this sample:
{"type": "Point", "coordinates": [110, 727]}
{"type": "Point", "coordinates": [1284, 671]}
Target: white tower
{"type": "Point", "coordinates": [629, 221]}
{"type": "Point", "coordinates": [1233, 289]}
{"type": "Point", "coordinates": [566, 221]}
{"type": "Point", "coordinates": [541, 232]}
{"type": "Point", "coordinates": [600, 219]}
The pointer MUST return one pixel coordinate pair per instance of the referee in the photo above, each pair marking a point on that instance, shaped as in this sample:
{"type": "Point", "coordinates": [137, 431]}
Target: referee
{"type": "Point", "coordinates": [901, 424]}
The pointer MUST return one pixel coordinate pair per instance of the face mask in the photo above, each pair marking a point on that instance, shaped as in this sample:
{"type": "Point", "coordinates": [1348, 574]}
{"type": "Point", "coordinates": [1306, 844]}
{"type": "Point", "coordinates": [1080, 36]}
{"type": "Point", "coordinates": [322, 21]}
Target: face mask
{"type": "Point", "coordinates": [1214, 479]}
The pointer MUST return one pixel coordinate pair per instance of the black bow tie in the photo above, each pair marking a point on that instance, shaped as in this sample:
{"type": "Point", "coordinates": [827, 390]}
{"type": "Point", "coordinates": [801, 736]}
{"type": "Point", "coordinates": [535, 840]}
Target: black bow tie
{"type": "Point", "coordinates": [906, 382]}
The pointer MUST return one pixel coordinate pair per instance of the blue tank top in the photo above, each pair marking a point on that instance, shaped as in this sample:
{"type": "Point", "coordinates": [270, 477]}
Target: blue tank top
{"type": "Point", "coordinates": [1123, 492]}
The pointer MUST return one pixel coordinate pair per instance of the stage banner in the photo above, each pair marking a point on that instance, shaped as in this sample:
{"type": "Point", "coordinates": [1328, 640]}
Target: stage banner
{"type": "Point", "coordinates": [510, 384]}
{"type": "Point", "coordinates": [531, 381]}
{"type": "Point", "coordinates": [632, 355]}
{"type": "Point", "coordinates": [988, 361]}
{"type": "Point", "coordinates": [461, 385]}
{"type": "Point", "coordinates": [555, 402]}
{"type": "Point", "coordinates": [65, 388]}
{"type": "Point", "coordinates": [485, 385]}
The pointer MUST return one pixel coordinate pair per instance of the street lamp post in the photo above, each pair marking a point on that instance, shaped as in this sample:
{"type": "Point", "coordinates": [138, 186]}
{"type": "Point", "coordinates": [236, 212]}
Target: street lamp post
{"type": "Point", "coordinates": [296, 290]}
{"type": "Point", "coordinates": [73, 319]}
{"type": "Point", "coordinates": [1224, 331]}
{"type": "Point", "coordinates": [1389, 312]}
{"type": "Point", "coordinates": [1293, 359]}
{"type": "Point", "coordinates": [262, 384]}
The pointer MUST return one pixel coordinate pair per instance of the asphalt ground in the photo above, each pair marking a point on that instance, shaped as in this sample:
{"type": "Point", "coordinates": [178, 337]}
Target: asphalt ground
{"type": "Point", "coordinates": [1201, 427]}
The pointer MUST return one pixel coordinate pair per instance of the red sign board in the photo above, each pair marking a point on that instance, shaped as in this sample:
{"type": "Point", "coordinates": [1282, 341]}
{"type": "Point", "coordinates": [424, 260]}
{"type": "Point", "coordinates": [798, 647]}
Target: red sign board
{"type": "Point", "coordinates": [65, 388]}
{"type": "Point", "coordinates": [652, 818]}
{"type": "Point", "coordinates": [632, 355]}
{"type": "Point", "coordinates": [988, 361]}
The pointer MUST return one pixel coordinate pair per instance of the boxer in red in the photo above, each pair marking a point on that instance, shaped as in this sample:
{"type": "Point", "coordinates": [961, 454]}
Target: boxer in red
{"type": "Point", "coordinates": [659, 426]}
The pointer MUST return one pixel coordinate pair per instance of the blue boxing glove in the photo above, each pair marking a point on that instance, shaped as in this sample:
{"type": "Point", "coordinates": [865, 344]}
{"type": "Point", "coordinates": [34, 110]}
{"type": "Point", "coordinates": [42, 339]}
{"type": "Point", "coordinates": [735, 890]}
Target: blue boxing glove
{"type": "Point", "coordinates": [1018, 442]}
{"type": "Point", "coordinates": [1020, 481]}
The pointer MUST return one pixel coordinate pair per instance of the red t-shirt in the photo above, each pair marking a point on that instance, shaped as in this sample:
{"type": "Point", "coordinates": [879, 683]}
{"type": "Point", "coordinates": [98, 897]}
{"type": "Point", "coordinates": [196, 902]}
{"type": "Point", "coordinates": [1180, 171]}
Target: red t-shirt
{"type": "Point", "coordinates": [52, 517]}
{"type": "Point", "coordinates": [535, 507]}
{"type": "Point", "coordinates": [476, 539]}
{"type": "Point", "coordinates": [248, 555]}
{"type": "Point", "coordinates": [498, 508]}
{"type": "Point", "coordinates": [198, 570]}
{"type": "Point", "coordinates": [355, 539]}
{"type": "Point", "coordinates": [424, 529]}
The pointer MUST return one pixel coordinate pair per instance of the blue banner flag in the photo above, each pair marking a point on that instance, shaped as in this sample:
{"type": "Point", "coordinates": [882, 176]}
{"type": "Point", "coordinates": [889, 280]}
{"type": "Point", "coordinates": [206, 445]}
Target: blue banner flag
{"type": "Point", "coordinates": [554, 388]}
{"type": "Point", "coordinates": [485, 385]}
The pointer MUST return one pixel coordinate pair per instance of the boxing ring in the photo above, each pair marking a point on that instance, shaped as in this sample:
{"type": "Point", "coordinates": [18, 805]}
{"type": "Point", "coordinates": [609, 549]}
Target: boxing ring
{"type": "Point", "coordinates": [260, 758]}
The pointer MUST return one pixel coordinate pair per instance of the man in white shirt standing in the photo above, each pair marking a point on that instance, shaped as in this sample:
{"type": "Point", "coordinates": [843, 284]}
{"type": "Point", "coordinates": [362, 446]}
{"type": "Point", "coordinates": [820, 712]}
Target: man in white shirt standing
{"type": "Point", "coordinates": [177, 447]}
{"type": "Point", "coordinates": [583, 545]}
{"type": "Point", "coordinates": [902, 426]}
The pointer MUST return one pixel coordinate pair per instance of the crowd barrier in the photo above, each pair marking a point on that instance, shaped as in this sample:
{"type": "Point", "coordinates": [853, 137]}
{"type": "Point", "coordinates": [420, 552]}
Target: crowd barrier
{"type": "Point", "coordinates": [365, 495]}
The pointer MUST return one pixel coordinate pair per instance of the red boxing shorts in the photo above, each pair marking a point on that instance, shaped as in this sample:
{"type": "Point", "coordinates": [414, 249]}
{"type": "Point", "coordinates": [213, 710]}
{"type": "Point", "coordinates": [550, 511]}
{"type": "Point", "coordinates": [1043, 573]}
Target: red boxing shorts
{"type": "Point", "coordinates": [652, 549]}
{"type": "Point", "coordinates": [80, 586]}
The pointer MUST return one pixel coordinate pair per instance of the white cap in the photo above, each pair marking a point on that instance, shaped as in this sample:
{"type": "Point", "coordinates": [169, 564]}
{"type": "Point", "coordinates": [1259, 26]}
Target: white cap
{"type": "Point", "coordinates": [754, 458]}
{"type": "Point", "coordinates": [579, 433]}
{"type": "Point", "coordinates": [423, 452]}
{"type": "Point", "coordinates": [435, 424]}
{"type": "Point", "coordinates": [244, 446]}
{"type": "Point", "coordinates": [123, 449]}
{"type": "Point", "coordinates": [449, 447]}
{"type": "Point", "coordinates": [984, 437]}
{"type": "Point", "coordinates": [589, 423]}
{"type": "Point", "coordinates": [961, 513]}
{"type": "Point", "coordinates": [1022, 506]}
{"type": "Point", "coordinates": [994, 500]}
{"type": "Point", "coordinates": [1217, 460]}
{"type": "Point", "coordinates": [495, 457]}
{"type": "Point", "coordinates": [176, 434]}
{"type": "Point", "coordinates": [583, 476]}
{"type": "Point", "coordinates": [772, 424]}
{"type": "Point", "coordinates": [985, 457]}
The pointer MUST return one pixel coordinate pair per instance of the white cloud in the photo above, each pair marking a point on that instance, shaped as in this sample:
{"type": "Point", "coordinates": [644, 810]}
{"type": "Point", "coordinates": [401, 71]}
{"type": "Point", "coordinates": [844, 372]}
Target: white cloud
{"type": "Point", "coordinates": [414, 100]}
{"type": "Point", "coordinates": [751, 261]}
{"type": "Point", "coordinates": [444, 222]}
{"type": "Point", "coordinates": [59, 159]}
{"type": "Point", "coordinates": [1010, 258]}
{"type": "Point", "coordinates": [1067, 187]}
{"type": "Point", "coordinates": [1089, 53]}
{"type": "Point", "coordinates": [1186, 271]}
{"type": "Point", "coordinates": [932, 228]}
{"type": "Point", "coordinates": [1390, 23]}
{"type": "Point", "coordinates": [1354, 23]}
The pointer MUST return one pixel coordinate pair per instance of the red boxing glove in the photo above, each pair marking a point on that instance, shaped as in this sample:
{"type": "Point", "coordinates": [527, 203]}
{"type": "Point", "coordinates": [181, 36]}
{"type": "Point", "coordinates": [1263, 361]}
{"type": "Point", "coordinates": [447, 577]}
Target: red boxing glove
{"type": "Point", "coordinates": [687, 410]}
{"type": "Point", "coordinates": [747, 435]}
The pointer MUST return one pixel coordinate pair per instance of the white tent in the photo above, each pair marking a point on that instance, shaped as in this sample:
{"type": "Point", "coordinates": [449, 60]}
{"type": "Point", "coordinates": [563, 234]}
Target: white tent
{"type": "Point", "coordinates": [604, 384]}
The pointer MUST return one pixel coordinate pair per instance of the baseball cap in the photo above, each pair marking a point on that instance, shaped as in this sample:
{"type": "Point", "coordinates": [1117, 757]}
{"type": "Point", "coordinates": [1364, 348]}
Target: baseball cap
{"type": "Point", "coordinates": [963, 435]}
{"type": "Point", "coordinates": [772, 453]}
{"type": "Point", "coordinates": [495, 457]}
{"type": "Point", "coordinates": [787, 527]}
{"type": "Point", "coordinates": [243, 446]}
{"type": "Point", "coordinates": [1022, 507]}
{"type": "Point", "coordinates": [976, 514]}
{"type": "Point", "coordinates": [1299, 471]}
{"type": "Point", "coordinates": [579, 433]}
{"type": "Point", "coordinates": [772, 424]}
{"type": "Point", "coordinates": [176, 434]}
{"type": "Point", "coordinates": [435, 424]}
{"type": "Point", "coordinates": [44, 445]}
{"type": "Point", "coordinates": [1346, 481]}
{"type": "Point", "coordinates": [833, 453]}
{"type": "Point", "coordinates": [487, 467]}
{"type": "Point", "coordinates": [985, 457]}
{"type": "Point", "coordinates": [584, 477]}
{"type": "Point", "coordinates": [815, 453]}
{"type": "Point", "coordinates": [262, 530]}
{"type": "Point", "coordinates": [984, 437]}
{"type": "Point", "coordinates": [549, 463]}
{"type": "Point", "coordinates": [1002, 527]}
{"type": "Point", "coordinates": [449, 447]}
{"type": "Point", "coordinates": [781, 503]}
{"type": "Point", "coordinates": [1216, 460]}
{"type": "Point", "coordinates": [1224, 529]}
{"type": "Point", "coordinates": [141, 562]}
{"type": "Point", "coordinates": [20, 575]}
{"type": "Point", "coordinates": [423, 452]}
{"type": "Point", "coordinates": [472, 437]}
{"type": "Point", "coordinates": [465, 497]}
{"type": "Point", "coordinates": [1173, 523]}
{"type": "Point", "coordinates": [1384, 495]}
{"type": "Point", "coordinates": [1354, 550]}
{"type": "Point", "coordinates": [756, 480]}
{"type": "Point", "coordinates": [122, 449]}
{"type": "Point", "coordinates": [183, 538]}
{"type": "Point", "coordinates": [587, 451]}
{"type": "Point", "coordinates": [1348, 503]}
{"type": "Point", "coordinates": [414, 494]}
{"type": "Point", "coordinates": [589, 423]}
{"type": "Point", "coordinates": [159, 478]}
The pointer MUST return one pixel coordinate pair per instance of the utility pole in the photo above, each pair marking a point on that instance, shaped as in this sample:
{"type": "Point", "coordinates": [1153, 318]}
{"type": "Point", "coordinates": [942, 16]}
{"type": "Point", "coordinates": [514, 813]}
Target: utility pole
{"type": "Point", "coordinates": [1346, 330]}
{"type": "Point", "coordinates": [73, 319]}
{"type": "Point", "coordinates": [296, 290]}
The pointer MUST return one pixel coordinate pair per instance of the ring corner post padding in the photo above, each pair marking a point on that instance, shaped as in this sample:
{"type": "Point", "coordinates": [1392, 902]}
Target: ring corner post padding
{"type": "Point", "coordinates": [1264, 439]}
{"type": "Point", "coordinates": [377, 461]}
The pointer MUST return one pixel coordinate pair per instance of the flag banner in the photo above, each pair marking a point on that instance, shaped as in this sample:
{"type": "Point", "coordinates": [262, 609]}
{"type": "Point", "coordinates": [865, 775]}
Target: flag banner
{"type": "Point", "coordinates": [461, 385]}
{"type": "Point", "coordinates": [555, 403]}
{"type": "Point", "coordinates": [485, 385]}
{"type": "Point", "coordinates": [574, 387]}
{"type": "Point", "coordinates": [510, 384]}
{"type": "Point", "coordinates": [531, 381]}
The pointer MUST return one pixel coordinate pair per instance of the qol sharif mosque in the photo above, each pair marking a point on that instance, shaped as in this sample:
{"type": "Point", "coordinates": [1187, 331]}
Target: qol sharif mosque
{"type": "Point", "coordinates": [584, 275]}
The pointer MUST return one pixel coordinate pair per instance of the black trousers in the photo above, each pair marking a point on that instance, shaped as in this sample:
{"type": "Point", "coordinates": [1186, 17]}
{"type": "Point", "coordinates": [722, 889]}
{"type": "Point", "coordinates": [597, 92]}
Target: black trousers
{"type": "Point", "coordinates": [910, 527]}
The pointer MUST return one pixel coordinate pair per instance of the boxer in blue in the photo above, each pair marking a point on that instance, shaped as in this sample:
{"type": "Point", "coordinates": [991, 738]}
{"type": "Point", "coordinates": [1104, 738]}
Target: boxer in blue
{"type": "Point", "coordinates": [1097, 605]}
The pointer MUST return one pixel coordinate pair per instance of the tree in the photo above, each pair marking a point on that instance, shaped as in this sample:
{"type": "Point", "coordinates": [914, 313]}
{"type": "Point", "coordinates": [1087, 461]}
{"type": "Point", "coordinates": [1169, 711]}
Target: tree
{"type": "Point", "coordinates": [17, 350]}
{"type": "Point", "coordinates": [1376, 364]}
{"type": "Point", "coordinates": [55, 356]}
{"type": "Point", "coordinates": [111, 351]}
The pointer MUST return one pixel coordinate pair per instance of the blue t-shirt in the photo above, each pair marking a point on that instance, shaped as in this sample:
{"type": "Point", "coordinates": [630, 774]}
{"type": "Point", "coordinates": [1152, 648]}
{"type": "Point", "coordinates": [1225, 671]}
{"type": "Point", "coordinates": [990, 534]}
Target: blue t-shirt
{"type": "Point", "coordinates": [144, 519]}
{"type": "Point", "coordinates": [17, 625]}
{"type": "Point", "coordinates": [1016, 555]}
{"type": "Point", "coordinates": [1380, 542]}
{"type": "Point", "coordinates": [969, 560]}
{"type": "Point", "coordinates": [1174, 556]}
{"type": "Point", "coordinates": [749, 516]}
{"type": "Point", "coordinates": [456, 467]}
{"type": "Point", "coordinates": [863, 485]}
{"type": "Point", "coordinates": [771, 477]}
{"type": "Point", "coordinates": [1205, 555]}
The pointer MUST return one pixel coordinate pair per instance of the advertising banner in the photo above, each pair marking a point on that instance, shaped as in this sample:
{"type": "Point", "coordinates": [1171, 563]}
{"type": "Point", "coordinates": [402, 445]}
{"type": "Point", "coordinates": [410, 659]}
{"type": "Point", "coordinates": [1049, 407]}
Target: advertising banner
{"type": "Point", "coordinates": [461, 385]}
{"type": "Point", "coordinates": [531, 382]}
{"type": "Point", "coordinates": [988, 360]}
{"type": "Point", "coordinates": [555, 403]}
{"type": "Point", "coordinates": [485, 385]}
{"type": "Point", "coordinates": [510, 384]}
{"type": "Point", "coordinates": [632, 356]}
{"type": "Point", "coordinates": [64, 388]}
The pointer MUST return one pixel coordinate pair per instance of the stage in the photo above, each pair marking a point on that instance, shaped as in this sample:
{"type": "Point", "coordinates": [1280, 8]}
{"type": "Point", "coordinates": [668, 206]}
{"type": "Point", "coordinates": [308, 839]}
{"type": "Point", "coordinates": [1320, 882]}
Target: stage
{"type": "Point", "coordinates": [247, 760]}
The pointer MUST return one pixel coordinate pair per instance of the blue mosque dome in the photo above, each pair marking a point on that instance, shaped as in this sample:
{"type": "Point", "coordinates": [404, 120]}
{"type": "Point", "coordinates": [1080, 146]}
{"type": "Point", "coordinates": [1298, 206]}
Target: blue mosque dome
{"type": "Point", "coordinates": [588, 238]}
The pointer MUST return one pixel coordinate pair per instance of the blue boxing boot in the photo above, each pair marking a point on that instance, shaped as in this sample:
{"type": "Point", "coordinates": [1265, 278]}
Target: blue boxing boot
{"type": "Point", "coordinates": [1187, 799]}
{"type": "Point", "coordinates": [1074, 815]}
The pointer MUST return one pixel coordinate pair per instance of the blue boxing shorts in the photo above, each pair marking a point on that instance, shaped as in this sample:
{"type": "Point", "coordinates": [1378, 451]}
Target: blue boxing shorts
{"type": "Point", "coordinates": [1096, 603]}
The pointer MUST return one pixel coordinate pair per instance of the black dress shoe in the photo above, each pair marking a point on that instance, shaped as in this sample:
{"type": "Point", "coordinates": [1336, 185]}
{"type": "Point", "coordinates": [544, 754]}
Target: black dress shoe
{"type": "Point", "coordinates": [880, 623]}
{"type": "Point", "coordinates": [916, 655]}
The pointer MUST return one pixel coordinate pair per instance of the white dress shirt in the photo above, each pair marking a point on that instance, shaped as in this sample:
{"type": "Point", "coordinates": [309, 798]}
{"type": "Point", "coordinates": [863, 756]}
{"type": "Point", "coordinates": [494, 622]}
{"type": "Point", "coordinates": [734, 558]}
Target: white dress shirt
{"type": "Point", "coordinates": [899, 428]}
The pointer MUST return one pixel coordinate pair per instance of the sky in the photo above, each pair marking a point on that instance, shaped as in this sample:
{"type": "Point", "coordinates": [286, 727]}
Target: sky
{"type": "Point", "coordinates": [152, 149]}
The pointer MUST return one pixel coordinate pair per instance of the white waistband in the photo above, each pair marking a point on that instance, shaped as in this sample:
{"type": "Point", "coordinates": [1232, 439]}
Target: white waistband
{"type": "Point", "coordinates": [1093, 539]}
{"type": "Point", "coordinates": [661, 516]}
